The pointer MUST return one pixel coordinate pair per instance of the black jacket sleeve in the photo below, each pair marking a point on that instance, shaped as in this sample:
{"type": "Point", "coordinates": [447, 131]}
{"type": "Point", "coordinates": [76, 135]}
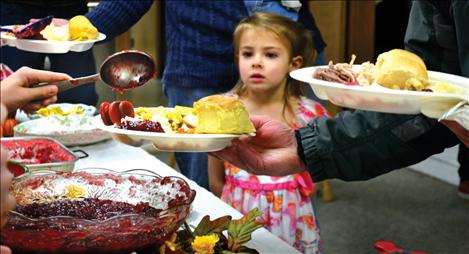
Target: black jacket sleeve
{"type": "Point", "coordinates": [363, 144]}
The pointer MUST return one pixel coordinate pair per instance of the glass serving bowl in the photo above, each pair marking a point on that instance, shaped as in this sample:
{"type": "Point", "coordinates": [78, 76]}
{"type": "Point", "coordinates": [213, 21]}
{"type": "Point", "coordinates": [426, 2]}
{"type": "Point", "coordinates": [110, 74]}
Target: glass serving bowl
{"type": "Point", "coordinates": [95, 211]}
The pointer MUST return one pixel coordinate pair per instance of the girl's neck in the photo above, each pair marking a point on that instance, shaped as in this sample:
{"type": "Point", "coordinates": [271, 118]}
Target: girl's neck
{"type": "Point", "coordinates": [268, 104]}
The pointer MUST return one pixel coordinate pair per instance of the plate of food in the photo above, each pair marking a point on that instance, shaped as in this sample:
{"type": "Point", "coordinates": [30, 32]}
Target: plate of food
{"type": "Point", "coordinates": [60, 109]}
{"type": "Point", "coordinates": [50, 35]}
{"type": "Point", "coordinates": [70, 130]}
{"type": "Point", "coordinates": [398, 83]}
{"type": "Point", "coordinates": [209, 126]}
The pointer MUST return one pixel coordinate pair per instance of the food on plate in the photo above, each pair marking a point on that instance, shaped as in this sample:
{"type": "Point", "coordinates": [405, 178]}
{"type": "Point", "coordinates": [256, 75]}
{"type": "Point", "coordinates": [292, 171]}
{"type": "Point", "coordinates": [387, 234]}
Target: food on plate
{"type": "Point", "coordinates": [31, 30]}
{"type": "Point", "coordinates": [112, 113]}
{"type": "Point", "coordinates": [81, 29]}
{"type": "Point", "coordinates": [216, 114]}
{"type": "Point", "coordinates": [443, 87]}
{"type": "Point", "coordinates": [57, 110]}
{"type": "Point", "coordinates": [57, 30]}
{"type": "Point", "coordinates": [222, 114]}
{"type": "Point", "coordinates": [36, 151]}
{"type": "Point", "coordinates": [345, 73]}
{"type": "Point", "coordinates": [395, 69]}
{"type": "Point", "coordinates": [78, 28]}
{"type": "Point", "coordinates": [400, 69]}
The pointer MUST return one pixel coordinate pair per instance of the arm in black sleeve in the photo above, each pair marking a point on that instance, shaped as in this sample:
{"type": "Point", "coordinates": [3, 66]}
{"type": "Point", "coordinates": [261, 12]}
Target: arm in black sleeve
{"type": "Point", "coordinates": [363, 144]}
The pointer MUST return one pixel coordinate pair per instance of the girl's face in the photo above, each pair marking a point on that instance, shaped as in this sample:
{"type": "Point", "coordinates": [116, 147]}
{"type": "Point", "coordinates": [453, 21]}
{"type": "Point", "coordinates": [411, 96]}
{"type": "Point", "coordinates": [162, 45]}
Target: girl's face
{"type": "Point", "coordinates": [264, 60]}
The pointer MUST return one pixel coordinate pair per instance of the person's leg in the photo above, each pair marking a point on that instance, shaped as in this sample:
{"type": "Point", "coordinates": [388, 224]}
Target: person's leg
{"type": "Point", "coordinates": [463, 159]}
{"type": "Point", "coordinates": [192, 165]}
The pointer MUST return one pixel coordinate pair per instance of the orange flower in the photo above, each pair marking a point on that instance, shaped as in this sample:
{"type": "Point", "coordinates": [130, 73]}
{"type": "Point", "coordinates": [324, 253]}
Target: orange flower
{"type": "Point", "coordinates": [277, 205]}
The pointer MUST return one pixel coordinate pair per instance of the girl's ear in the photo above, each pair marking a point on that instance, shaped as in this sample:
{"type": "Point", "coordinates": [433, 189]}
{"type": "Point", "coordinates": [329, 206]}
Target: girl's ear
{"type": "Point", "coordinates": [296, 63]}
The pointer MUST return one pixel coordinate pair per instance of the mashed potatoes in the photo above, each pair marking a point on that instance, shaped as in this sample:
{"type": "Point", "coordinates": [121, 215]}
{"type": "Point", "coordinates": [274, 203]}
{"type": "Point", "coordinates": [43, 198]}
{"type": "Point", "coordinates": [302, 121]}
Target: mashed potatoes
{"type": "Point", "coordinates": [81, 29]}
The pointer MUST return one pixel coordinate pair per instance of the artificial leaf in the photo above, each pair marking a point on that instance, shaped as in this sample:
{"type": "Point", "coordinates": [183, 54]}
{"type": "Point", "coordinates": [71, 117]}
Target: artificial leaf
{"type": "Point", "coordinates": [206, 226]}
{"type": "Point", "coordinates": [239, 231]}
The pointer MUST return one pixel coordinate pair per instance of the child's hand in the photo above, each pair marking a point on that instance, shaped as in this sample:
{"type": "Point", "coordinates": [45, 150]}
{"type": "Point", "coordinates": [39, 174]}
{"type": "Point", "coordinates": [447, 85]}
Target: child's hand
{"type": "Point", "coordinates": [16, 93]}
{"type": "Point", "coordinates": [273, 151]}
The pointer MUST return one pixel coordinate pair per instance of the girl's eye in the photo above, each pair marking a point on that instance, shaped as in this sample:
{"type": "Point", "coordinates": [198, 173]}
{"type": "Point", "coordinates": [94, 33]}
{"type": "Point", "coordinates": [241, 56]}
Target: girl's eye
{"type": "Point", "coordinates": [271, 55]}
{"type": "Point", "coordinates": [246, 54]}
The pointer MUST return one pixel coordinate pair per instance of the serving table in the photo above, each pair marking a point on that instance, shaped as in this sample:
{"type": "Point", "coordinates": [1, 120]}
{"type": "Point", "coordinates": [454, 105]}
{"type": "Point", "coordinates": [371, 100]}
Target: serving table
{"type": "Point", "coordinates": [116, 156]}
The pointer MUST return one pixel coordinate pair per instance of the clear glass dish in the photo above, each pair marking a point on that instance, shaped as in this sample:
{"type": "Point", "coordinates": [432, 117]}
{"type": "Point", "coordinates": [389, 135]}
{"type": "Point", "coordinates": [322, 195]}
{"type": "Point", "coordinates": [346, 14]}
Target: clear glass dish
{"type": "Point", "coordinates": [95, 211]}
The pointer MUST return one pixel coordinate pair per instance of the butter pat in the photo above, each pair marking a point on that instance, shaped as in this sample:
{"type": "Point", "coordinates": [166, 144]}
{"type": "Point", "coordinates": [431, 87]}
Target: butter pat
{"type": "Point", "coordinates": [220, 114]}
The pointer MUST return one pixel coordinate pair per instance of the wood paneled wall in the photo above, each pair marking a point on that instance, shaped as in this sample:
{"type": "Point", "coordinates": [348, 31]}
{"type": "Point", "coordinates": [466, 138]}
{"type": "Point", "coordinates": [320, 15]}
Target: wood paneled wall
{"type": "Point", "coordinates": [347, 27]}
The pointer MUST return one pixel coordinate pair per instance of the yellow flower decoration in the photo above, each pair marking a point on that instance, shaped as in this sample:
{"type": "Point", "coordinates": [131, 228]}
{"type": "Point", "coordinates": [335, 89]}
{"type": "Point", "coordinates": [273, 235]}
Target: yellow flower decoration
{"type": "Point", "coordinates": [73, 191]}
{"type": "Point", "coordinates": [205, 244]}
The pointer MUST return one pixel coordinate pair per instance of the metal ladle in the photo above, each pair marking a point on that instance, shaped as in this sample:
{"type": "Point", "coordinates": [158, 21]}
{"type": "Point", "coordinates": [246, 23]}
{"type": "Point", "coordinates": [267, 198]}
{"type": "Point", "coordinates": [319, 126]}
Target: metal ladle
{"type": "Point", "coordinates": [121, 71]}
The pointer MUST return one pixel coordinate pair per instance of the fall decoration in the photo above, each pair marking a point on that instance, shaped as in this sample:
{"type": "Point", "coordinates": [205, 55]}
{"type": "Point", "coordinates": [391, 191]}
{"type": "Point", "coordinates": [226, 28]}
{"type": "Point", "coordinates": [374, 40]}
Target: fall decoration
{"type": "Point", "coordinates": [209, 238]}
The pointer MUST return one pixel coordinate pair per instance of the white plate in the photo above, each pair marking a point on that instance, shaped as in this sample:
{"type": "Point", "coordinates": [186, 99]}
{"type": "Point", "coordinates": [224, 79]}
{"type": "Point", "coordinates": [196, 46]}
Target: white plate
{"type": "Point", "coordinates": [70, 133]}
{"type": "Point", "coordinates": [45, 46]}
{"type": "Point", "coordinates": [172, 142]}
{"type": "Point", "coordinates": [381, 99]}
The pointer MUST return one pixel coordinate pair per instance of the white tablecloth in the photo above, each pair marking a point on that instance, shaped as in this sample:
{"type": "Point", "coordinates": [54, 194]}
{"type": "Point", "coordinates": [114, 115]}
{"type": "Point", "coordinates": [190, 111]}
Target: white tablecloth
{"type": "Point", "coordinates": [119, 157]}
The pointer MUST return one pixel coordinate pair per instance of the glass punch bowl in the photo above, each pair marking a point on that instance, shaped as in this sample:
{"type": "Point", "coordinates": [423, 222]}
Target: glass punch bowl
{"type": "Point", "coordinates": [95, 211]}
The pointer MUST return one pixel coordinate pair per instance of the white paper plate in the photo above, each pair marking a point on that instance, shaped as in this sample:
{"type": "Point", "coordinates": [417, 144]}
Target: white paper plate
{"type": "Point", "coordinates": [44, 46]}
{"type": "Point", "coordinates": [172, 142]}
{"type": "Point", "coordinates": [381, 99]}
{"type": "Point", "coordinates": [70, 133]}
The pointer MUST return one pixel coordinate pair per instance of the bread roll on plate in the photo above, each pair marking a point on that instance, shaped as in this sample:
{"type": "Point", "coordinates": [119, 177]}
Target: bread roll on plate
{"type": "Point", "coordinates": [221, 114]}
{"type": "Point", "coordinates": [400, 69]}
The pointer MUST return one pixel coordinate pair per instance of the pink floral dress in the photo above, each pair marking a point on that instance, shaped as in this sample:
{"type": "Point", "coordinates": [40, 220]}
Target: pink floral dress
{"type": "Point", "coordinates": [285, 201]}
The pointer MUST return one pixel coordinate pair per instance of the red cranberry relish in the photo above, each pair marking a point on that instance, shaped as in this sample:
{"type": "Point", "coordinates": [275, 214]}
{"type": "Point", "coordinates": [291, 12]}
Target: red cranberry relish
{"type": "Point", "coordinates": [141, 125]}
{"type": "Point", "coordinates": [88, 208]}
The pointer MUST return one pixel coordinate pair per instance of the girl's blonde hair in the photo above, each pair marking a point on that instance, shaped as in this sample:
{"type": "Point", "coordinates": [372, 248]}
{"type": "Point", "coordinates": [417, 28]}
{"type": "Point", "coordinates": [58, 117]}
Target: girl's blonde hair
{"type": "Point", "coordinates": [296, 35]}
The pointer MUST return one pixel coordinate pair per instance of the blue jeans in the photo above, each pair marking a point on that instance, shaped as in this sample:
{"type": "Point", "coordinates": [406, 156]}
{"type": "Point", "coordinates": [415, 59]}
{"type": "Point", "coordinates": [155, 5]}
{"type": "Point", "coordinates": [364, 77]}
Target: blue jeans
{"type": "Point", "coordinates": [192, 165]}
{"type": "Point", "coordinates": [75, 64]}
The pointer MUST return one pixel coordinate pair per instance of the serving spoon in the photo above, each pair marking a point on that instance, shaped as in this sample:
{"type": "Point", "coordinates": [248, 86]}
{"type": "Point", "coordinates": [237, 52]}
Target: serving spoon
{"type": "Point", "coordinates": [121, 71]}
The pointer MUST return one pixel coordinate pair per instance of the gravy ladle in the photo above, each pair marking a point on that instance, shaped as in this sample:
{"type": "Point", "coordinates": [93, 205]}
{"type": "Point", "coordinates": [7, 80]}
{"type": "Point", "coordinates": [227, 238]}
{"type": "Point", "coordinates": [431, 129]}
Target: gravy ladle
{"type": "Point", "coordinates": [121, 71]}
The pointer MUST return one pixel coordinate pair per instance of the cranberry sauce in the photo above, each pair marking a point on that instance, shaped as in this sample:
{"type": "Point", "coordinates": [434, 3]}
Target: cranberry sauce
{"type": "Point", "coordinates": [141, 125]}
{"type": "Point", "coordinates": [36, 151]}
{"type": "Point", "coordinates": [88, 208]}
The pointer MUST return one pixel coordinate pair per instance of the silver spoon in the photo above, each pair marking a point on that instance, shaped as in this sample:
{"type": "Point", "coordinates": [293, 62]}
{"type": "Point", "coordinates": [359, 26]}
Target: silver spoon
{"type": "Point", "coordinates": [121, 71]}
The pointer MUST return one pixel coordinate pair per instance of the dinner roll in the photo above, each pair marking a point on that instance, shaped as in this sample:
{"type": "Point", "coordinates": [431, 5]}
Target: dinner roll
{"type": "Point", "coordinates": [400, 69]}
{"type": "Point", "coordinates": [222, 114]}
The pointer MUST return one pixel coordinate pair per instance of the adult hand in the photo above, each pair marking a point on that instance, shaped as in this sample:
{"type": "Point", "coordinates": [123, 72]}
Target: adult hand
{"type": "Point", "coordinates": [273, 151]}
{"type": "Point", "coordinates": [461, 132]}
{"type": "Point", "coordinates": [16, 93]}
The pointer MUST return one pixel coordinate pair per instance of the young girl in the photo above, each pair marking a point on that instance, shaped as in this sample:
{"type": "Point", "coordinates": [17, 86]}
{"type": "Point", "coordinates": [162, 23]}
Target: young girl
{"type": "Point", "coordinates": [267, 48]}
